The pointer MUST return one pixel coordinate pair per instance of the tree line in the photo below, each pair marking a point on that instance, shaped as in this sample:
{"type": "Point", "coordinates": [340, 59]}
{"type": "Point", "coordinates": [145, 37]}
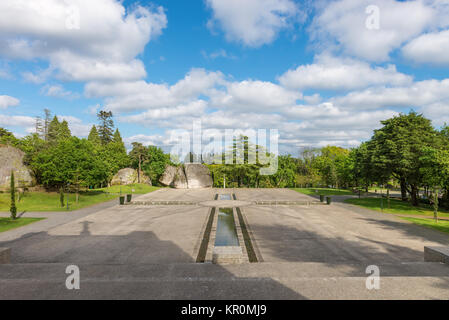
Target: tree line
{"type": "Point", "coordinates": [58, 159]}
{"type": "Point", "coordinates": [406, 153]}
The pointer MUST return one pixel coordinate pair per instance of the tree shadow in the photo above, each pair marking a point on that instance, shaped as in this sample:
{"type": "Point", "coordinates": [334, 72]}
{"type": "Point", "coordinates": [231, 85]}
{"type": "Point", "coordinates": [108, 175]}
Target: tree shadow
{"type": "Point", "coordinates": [137, 265]}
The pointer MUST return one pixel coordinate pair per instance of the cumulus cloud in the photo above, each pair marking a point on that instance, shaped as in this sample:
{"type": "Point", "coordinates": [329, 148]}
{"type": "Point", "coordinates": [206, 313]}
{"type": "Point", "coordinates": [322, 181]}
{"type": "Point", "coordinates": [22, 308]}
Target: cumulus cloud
{"type": "Point", "coordinates": [431, 48]}
{"type": "Point", "coordinates": [342, 24]}
{"type": "Point", "coordinates": [331, 73]}
{"type": "Point", "coordinates": [107, 38]}
{"type": "Point", "coordinates": [58, 91]}
{"type": "Point", "coordinates": [141, 95]}
{"type": "Point", "coordinates": [252, 22]}
{"type": "Point", "coordinates": [261, 96]}
{"type": "Point", "coordinates": [7, 101]}
{"type": "Point", "coordinates": [417, 95]}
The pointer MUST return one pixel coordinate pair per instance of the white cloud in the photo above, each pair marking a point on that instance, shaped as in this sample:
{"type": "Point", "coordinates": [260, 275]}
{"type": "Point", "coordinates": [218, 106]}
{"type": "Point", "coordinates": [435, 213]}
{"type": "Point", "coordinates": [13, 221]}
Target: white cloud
{"type": "Point", "coordinates": [251, 95]}
{"type": "Point", "coordinates": [58, 91]}
{"type": "Point", "coordinates": [141, 95]}
{"type": "Point", "coordinates": [154, 116]}
{"type": "Point", "coordinates": [343, 25]}
{"type": "Point", "coordinates": [431, 48]}
{"type": "Point", "coordinates": [331, 73]}
{"type": "Point", "coordinates": [417, 95]}
{"type": "Point", "coordinates": [7, 101]}
{"type": "Point", "coordinates": [252, 22]}
{"type": "Point", "coordinates": [108, 37]}
{"type": "Point", "coordinates": [16, 121]}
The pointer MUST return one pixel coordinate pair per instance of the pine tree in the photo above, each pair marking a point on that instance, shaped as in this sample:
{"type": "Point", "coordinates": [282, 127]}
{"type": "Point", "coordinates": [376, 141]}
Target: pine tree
{"type": "Point", "coordinates": [117, 137]}
{"type": "Point", "coordinates": [64, 131]}
{"type": "Point", "coordinates": [46, 123]}
{"type": "Point", "coordinates": [13, 208]}
{"type": "Point", "coordinates": [93, 136]}
{"type": "Point", "coordinates": [106, 126]}
{"type": "Point", "coordinates": [38, 126]}
{"type": "Point", "coordinates": [53, 130]}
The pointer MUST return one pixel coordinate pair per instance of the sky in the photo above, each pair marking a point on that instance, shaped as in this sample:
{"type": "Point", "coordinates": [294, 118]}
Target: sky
{"type": "Point", "coordinates": [320, 72]}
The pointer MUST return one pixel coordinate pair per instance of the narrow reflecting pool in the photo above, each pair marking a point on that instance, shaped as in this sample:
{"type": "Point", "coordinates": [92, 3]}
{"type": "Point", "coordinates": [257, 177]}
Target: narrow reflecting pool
{"type": "Point", "coordinates": [226, 233]}
{"type": "Point", "coordinates": [225, 197]}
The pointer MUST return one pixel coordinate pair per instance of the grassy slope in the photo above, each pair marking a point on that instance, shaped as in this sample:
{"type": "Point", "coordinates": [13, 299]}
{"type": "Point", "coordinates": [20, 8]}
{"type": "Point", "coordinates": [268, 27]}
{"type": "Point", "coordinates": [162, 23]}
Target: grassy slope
{"type": "Point", "coordinates": [441, 225]}
{"type": "Point", "coordinates": [8, 224]}
{"type": "Point", "coordinates": [323, 191]}
{"type": "Point", "coordinates": [396, 207]}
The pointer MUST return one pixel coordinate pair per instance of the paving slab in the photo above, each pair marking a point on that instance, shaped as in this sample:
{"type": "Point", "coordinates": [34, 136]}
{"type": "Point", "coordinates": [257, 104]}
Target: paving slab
{"type": "Point", "coordinates": [139, 252]}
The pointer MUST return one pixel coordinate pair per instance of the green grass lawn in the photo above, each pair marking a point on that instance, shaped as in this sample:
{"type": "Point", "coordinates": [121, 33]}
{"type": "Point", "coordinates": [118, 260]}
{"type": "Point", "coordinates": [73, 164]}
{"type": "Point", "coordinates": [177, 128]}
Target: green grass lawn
{"type": "Point", "coordinates": [49, 201]}
{"type": "Point", "coordinates": [324, 191]}
{"type": "Point", "coordinates": [396, 207]}
{"type": "Point", "coordinates": [138, 189]}
{"type": "Point", "coordinates": [441, 225]}
{"type": "Point", "coordinates": [8, 224]}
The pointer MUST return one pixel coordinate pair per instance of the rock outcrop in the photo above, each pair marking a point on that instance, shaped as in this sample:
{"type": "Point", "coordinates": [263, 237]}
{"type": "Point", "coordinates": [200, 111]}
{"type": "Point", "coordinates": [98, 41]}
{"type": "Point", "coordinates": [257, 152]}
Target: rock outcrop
{"type": "Point", "coordinates": [180, 180]}
{"type": "Point", "coordinates": [129, 176]}
{"type": "Point", "coordinates": [11, 159]}
{"type": "Point", "coordinates": [168, 176]}
{"type": "Point", "coordinates": [189, 176]}
{"type": "Point", "coordinates": [198, 176]}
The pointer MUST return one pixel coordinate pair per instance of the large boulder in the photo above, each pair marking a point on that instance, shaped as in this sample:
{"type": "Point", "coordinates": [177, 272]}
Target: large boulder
{"type": "Point", "coordinates": [11, 159]}
{"type": "Point", "coordinates": [169, 175]}
{"type": "Point", "coordinates": [129, 176]}
{"type": "Point", "coordinates": [189, 176]}
{"type": "Point", "coordinates": [180, 181]}
{"type": "Point", "coordinates": [198, 176]}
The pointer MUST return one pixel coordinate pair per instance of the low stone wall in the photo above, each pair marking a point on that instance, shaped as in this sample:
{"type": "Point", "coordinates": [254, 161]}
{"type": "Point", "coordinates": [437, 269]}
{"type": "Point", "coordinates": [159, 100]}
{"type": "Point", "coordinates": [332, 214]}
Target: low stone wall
{"type": "Point", "coordinates": [436, 254]}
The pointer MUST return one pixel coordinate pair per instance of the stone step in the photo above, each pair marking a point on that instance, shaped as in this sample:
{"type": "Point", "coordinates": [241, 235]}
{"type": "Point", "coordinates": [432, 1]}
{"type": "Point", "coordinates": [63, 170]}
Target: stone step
{"type": "Point", "coordinates": [208, 281]}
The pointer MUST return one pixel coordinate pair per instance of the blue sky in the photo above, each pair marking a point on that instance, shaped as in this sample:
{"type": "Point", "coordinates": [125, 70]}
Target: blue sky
{"type": "Point", "coordinates": [321, 72]}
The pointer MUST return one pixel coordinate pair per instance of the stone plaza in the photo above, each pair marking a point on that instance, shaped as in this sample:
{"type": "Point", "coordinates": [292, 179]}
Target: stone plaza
{"type": "Point", "coordinates": [150, 249]}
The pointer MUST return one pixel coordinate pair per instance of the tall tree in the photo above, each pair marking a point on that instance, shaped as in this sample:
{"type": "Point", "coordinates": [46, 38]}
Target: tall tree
{"type": "Point", "coordinates": [64, 131]}
{"type": "Point", "coordinates": [138, 156]}
{"type": "Point", "coordinates": [13, 208]}
{"type": "Point", "coordinates": [46, 123]}
{"type": "Point", "coordinates": [53, 130]}
{"type": "Point", "coordinates": [93, 137]}
{"type": "Point", "coordinates": [106, 126]}
{"type": "Point", "coordinates": [398, 147]}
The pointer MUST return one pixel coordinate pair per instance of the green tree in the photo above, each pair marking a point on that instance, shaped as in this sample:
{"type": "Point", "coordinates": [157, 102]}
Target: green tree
{"type": "Point", "coordinates": [93, 137]}
{"type": "Point", "coordinates": [139, 157]}
{"type": "Point", "coordinates": [58, 165]}
{"type": "Point", "coordinates": [156, 164]}
{"type": "Point", "coordinates": [53, 130]}
{"type": "Point", "coordinates": [106, 126]}
{"type": "Point", "coordinates": [397, 149]}
{"type": "Point", "coordinates": [6, 137]}
{"type": "Point", "coordinates": [13, 208]}
{"type": "Point", "coordinates": [64, 131]}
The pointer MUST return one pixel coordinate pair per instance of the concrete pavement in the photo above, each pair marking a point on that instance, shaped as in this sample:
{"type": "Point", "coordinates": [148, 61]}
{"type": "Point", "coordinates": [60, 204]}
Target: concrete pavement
{"type": "Point", "coordinates": [149, 252]}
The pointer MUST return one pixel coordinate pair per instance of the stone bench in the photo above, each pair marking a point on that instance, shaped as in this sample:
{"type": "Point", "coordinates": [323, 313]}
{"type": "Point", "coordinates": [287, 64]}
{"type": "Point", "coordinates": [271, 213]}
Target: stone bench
{"type": "Point", "coordinates": [436, 254]}
{"type": "Point", "coordinates": [5, 255]}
